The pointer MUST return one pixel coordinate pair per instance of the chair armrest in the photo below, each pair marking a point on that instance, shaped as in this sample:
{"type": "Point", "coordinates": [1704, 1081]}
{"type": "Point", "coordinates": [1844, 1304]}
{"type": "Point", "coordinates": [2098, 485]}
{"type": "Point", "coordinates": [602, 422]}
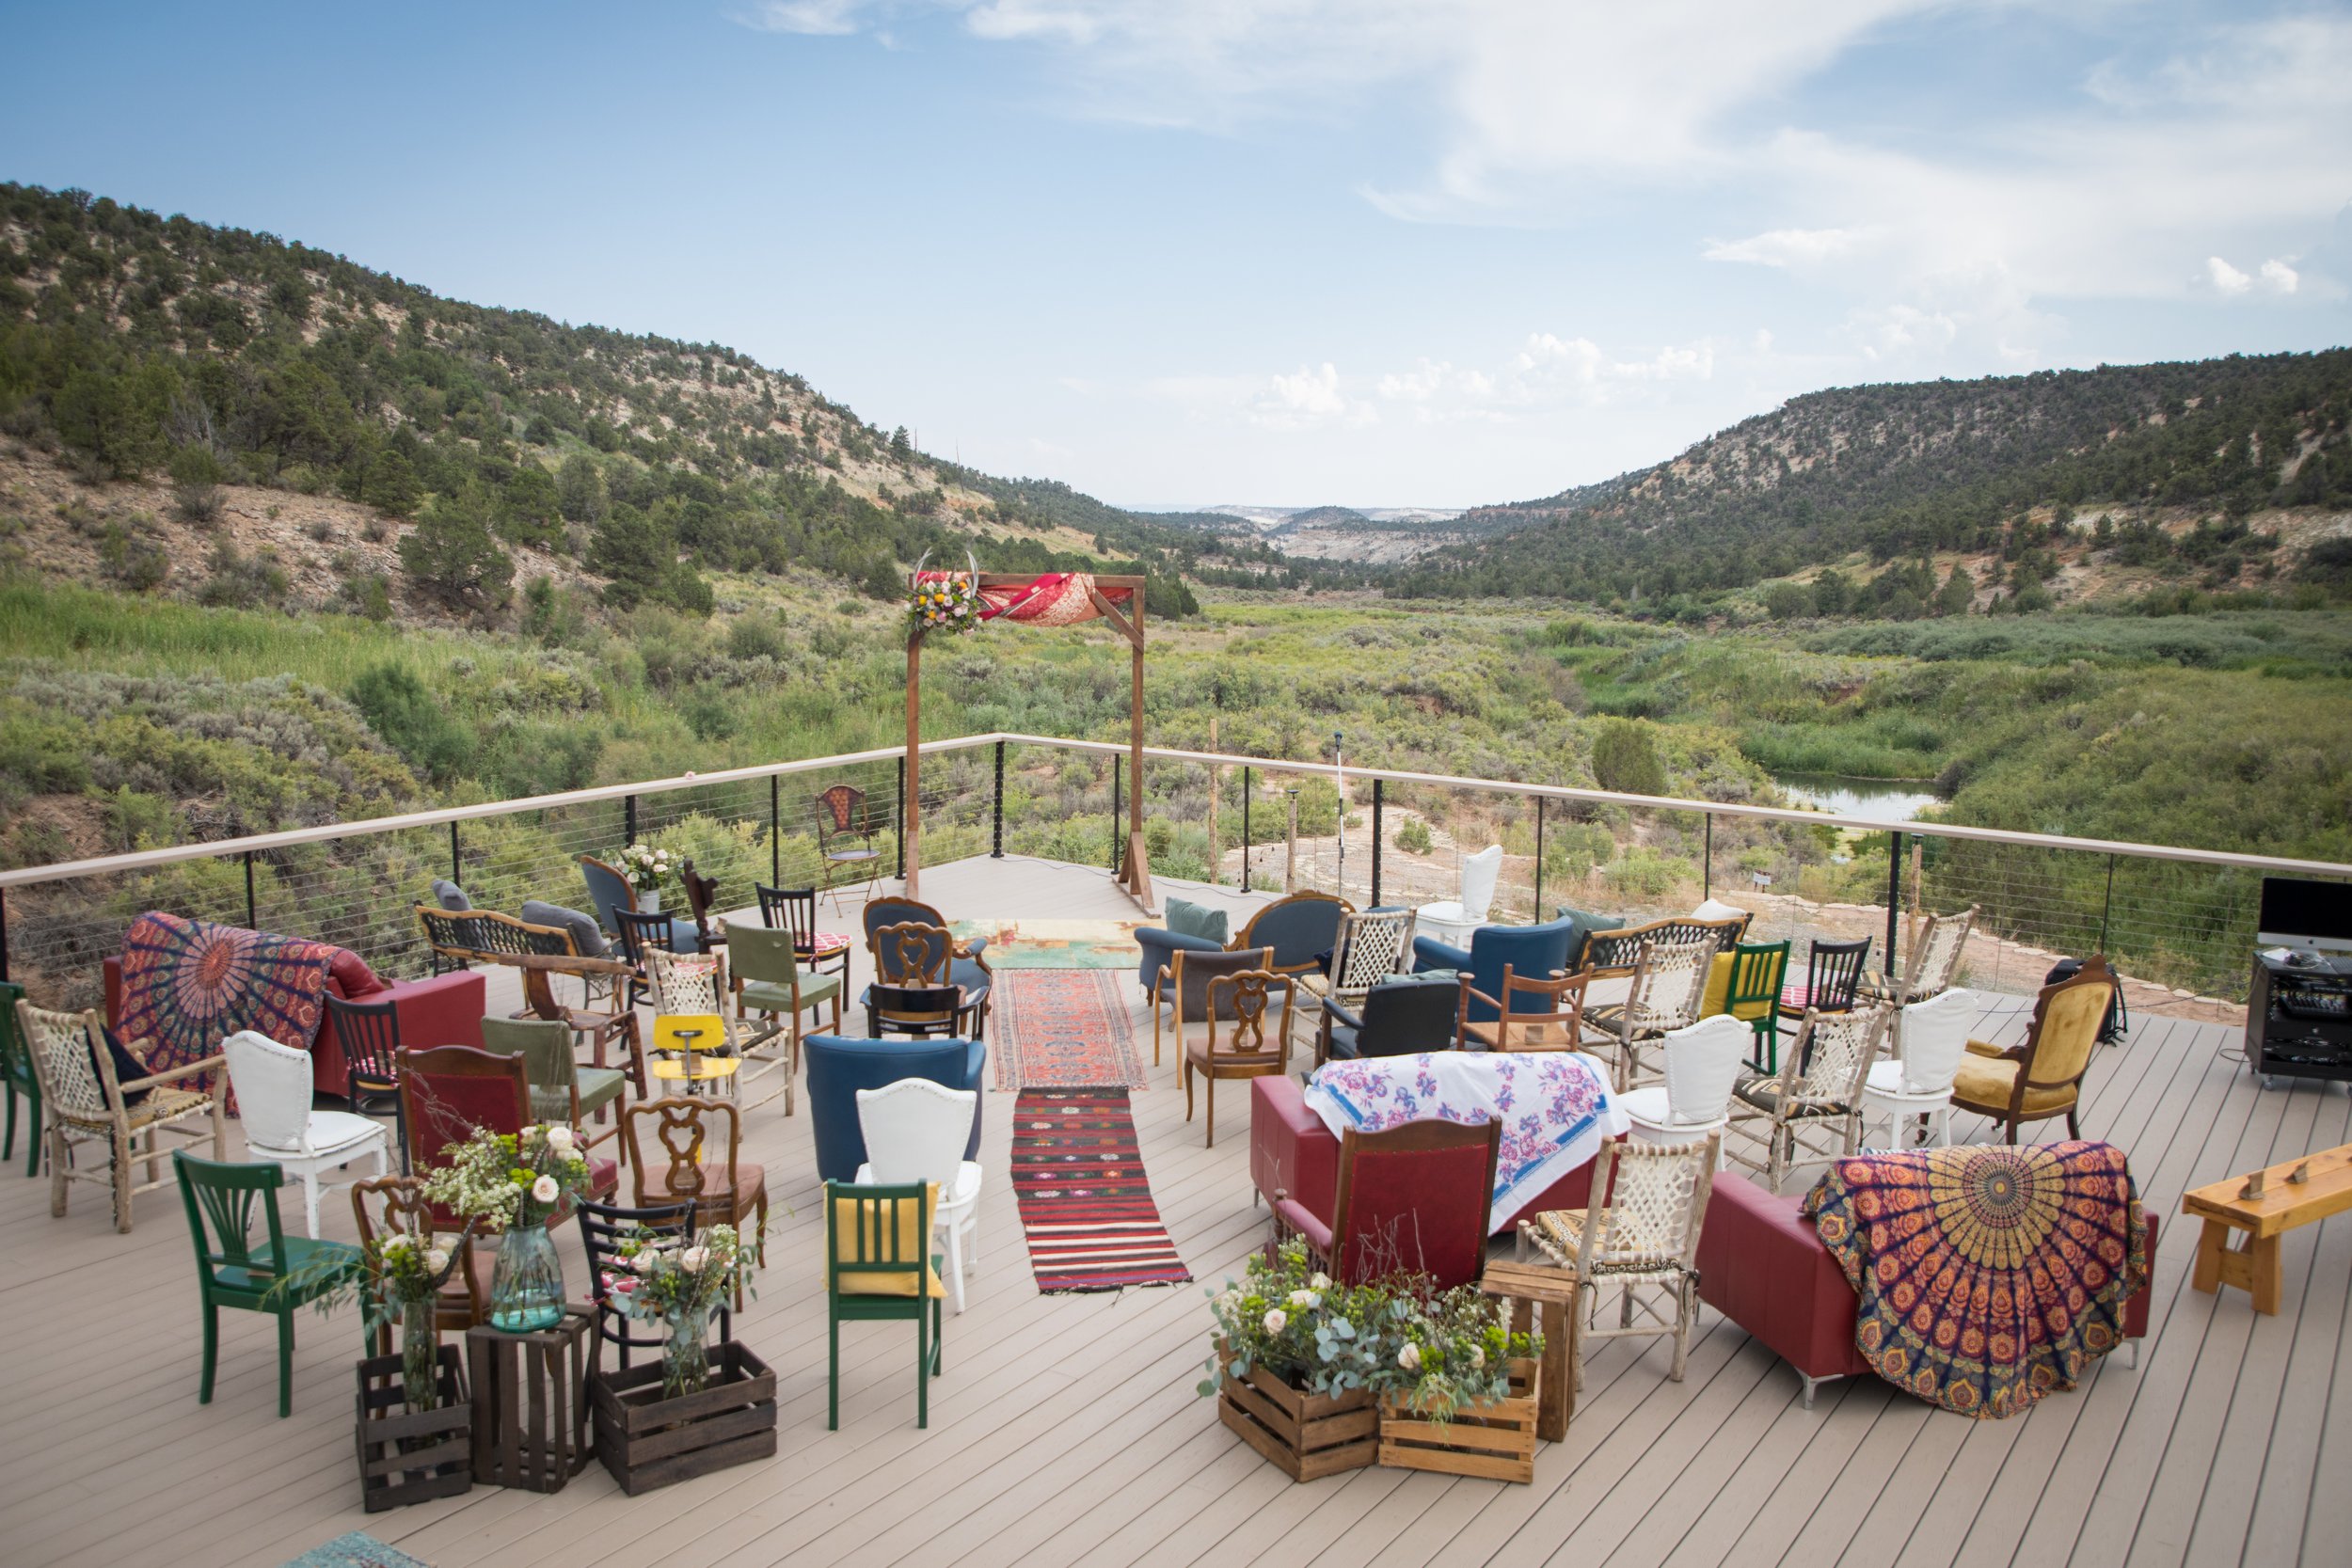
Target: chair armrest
{"type": "Point", "coordinates": [173, 1075]}
{"type": "Point", "coordinates": [1333, 1009]}
{"type": "Point", "coordinates": [1295, 1215]}
{"type": "Point", "coordinates": [1429, 953]}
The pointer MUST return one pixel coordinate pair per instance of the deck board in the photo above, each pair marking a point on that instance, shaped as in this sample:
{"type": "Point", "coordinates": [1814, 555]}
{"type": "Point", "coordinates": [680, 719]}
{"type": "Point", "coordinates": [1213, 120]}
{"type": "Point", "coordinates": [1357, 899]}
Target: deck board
{"type": "Point", "coordinates": [1066, 1428]}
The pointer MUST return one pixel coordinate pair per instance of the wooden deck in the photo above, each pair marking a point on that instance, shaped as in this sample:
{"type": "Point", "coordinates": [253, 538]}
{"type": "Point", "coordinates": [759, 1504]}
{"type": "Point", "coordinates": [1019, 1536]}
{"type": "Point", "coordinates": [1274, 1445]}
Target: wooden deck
{"type": "Point", "coordinates": [1067, 1430]}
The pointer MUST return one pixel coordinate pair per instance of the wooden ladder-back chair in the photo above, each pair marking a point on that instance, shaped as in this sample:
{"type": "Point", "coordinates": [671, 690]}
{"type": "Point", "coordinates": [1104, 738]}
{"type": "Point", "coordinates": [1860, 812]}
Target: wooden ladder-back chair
{"type": "Point", "coordinates": [1531, 1013]}
{"type": "Point", "coordinates": [1644, 1240]}
{"type": "Point", "coordinates": [1246, 999]}
{"type": "Point", "coordinates": [1833, 978]}
{"type": "Point", "coordinates": [370, 1031]}
{"type": "Point", "coordinates": [794, 909]}
{"type": "Point", "coordinates": [395, 1205]}
{"type": "Point", "coordinates": [86, 1102]}
{"type": "Point", "coordinates": [1816, 1093]}
{"type": "Point", "coordinates": [602, 1229]}
{"type": "Point", "coordinates": [2043, 1077]}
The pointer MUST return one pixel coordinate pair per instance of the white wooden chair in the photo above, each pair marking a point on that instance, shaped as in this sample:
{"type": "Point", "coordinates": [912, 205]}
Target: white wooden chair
{"type": "Point", "coordinates": [1919, 1083]}
{"type": "Point", "coordinates": [1372, 946]}
{"type": "Point", "coordinates": [1645, 1242]}
{"type": "Point", "coordinates": [86, 1103]}
{"type": "Point", "coordinates": [1452, 920]}
{"type": "Point", "coordinates": [1702, 1066]}
{"type": "Point", "coordinates": [271, 1082]}
{"type": "Point", "coordinates": [915, 1130]}
{"type": "Point", "coordinates": [1813, 1105]}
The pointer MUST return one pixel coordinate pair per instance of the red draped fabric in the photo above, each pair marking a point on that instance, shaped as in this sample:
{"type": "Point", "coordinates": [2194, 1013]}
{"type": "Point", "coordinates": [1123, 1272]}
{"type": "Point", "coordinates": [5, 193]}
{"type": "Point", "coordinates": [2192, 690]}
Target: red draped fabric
{"type": "Point", "coordinates": [1054, 599]}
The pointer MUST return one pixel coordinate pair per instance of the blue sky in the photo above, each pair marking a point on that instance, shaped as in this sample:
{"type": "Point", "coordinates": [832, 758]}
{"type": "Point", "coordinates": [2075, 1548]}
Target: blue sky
{"type": "Point", "coordinates": [1279, 251]}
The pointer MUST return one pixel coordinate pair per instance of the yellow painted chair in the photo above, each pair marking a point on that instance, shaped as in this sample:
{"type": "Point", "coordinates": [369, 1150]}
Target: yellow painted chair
{"type": "Point", "coordinates": [689, 1048]}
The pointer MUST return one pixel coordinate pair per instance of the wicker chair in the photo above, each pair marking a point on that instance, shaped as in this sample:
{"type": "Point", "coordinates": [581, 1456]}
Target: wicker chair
{"type": "Point", "coordinates": [86, 1103]}
{"type": "Point", "coordinates": [1552, 1020]}
{"type": "Point", "coordinates": [1371, 947]}
{"type": "Point", "coordinates": [1645, 1242]}
{"type": "Point", "coordinates": [1816, 1093]}
{"type": "Point", "coordinates": [1935, 965]}
{"type": "Point", "coordinates": [1668, 988]}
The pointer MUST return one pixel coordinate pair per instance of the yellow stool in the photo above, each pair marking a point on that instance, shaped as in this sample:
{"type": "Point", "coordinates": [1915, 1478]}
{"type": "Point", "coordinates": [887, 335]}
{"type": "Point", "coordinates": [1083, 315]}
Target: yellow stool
{"type": "Point", "coordinates": [695, 1038]}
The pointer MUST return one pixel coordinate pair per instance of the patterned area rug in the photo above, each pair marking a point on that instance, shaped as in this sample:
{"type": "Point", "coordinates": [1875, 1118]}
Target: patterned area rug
{"type": "Point", "coordinates": [357, 1550]}
{"type": "Point", "coordinates": [1063, 1029]}
{"type": "Point", "coordinates": [1056, 943]}
{"type": "Point", "coordinates": [1085, 1202]}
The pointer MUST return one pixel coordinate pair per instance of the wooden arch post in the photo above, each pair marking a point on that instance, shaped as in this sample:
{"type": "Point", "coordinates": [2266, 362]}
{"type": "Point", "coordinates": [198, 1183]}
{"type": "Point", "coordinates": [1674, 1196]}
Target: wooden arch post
{"type": "Point", "coordinates": [1135, 867]}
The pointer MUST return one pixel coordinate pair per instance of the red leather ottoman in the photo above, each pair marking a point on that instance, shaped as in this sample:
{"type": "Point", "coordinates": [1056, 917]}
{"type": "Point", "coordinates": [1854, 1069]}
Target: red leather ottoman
{"type": "Point", "coordinates": [444, 1010]}
{"type": "Point", "coordinates": [1292, 1153]}
{"type": "Point", "coordinates": [1762, 1265]}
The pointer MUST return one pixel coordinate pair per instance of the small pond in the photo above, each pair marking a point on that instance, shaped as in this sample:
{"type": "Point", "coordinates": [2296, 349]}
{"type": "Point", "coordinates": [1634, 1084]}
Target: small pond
{"type": "Point", "coordinates": [1882, 800]}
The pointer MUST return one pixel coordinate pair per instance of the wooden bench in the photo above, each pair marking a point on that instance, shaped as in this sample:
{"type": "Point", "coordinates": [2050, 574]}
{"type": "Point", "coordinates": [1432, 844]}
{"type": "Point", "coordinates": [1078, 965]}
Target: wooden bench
{"type": "Point", "coordinates": [2265, 1205]}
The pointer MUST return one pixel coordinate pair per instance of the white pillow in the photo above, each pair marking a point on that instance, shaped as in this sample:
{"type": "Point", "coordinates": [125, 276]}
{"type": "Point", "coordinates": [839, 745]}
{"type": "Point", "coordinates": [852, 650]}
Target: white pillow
{"type": "Point", "coordinates": [1715, 909]}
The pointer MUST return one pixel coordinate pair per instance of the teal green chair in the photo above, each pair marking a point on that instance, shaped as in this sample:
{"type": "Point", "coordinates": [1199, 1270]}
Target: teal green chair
{"type": "Point", "coordinates": [561, 1089]}
{"type": "Point", "coordinates": [232, 1272]}
{"type": "Point", "coordinates": [16, 1074]}
{"type": "Point", "coordinates": [768, 977]}
{"type": "Point", "coordinates": [878, 1267]}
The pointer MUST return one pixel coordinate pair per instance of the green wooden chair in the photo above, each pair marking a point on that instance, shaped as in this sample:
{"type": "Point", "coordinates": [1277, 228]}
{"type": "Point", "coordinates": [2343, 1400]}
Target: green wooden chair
{"type": "Point", "coordinates": [767, 978]}
{"type": "Point", "coordinates": [17, 1076]}
{"type": "Point", "coordinates": [1753, 996]}
{"type": "Point", "coordinates": [232, 1272]}
{"type": "Point", "coordinates": [561, 1089]}
{"type": "Point", "coordinates": [878, 1267]}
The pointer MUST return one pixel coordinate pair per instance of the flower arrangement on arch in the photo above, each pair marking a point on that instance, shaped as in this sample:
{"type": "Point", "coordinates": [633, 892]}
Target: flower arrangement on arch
{"type": "Point", "coordinates": [646, 868]}
{"type": "Point", "coordinates": [951, 604]}
{"type": "Point", "coordinates": [506, 1180]}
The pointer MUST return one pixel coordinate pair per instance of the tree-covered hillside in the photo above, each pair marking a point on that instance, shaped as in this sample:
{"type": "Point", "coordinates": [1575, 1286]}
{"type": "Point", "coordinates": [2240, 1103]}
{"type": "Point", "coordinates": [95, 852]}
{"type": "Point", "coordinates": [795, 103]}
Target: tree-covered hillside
{"type": "Point", "coordinates": [1901, 472]}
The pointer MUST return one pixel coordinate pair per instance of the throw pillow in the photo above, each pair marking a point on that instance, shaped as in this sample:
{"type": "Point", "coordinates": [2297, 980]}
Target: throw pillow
{"type": "Point", "coordinates": [128, 1069]}
{"type": "Point", "coordinates": [1715, 909]}
{"type": "Point", "coordinates": [1581, 928]}
{"type": "Point", "coordinates": [450, 896]}
{"type": "Point", "coordinates": [587, 937]}
{"type": "Point", "coordinates": [352, 979]}
{"type": "Point", "coordinates": [1195, 920]}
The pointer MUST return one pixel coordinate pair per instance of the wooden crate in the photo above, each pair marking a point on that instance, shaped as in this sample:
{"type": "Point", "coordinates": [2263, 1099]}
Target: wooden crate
{"type": "Point", "coordinates": [1307, 1436]}
{"type": "Point", "coordinates": [531, 1402]}
{"type": "Point", "coordinates": [647, 1441]}
{"type": "Point", "coordinates": [1496, 1441]}
{"type": "Point", "coordinates": [406, 1456]}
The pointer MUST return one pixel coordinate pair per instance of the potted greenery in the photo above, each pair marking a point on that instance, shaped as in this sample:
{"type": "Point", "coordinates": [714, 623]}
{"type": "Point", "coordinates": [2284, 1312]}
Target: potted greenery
{"type": "Point", "coordinates": [1461, 1395]}
{"type": "Point", "coordinates": [1297, 1360]}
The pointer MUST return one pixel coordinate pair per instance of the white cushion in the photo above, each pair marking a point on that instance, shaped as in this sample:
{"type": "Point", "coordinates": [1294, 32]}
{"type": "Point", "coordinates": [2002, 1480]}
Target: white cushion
{"type": "Point", "coordinates": [330, 1133]}
{"type": "Point", "coordinates": [1479, 872]}
{"type": "Point", "coordinates": [1886, 1078]}
{"type": "Point", "coordinates": [1715, 909]}
{"type": "Point", "coordinates": [966, 1186]}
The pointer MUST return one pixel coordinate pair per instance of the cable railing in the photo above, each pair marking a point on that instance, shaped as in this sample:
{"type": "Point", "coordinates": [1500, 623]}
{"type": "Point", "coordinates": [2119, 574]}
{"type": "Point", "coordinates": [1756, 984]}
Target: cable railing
{"type": "Point", "coordinates": [2172, 917]}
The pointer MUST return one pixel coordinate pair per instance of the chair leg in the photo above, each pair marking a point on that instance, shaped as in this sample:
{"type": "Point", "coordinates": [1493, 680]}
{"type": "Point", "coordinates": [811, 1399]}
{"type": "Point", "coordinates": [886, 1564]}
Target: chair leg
{"type": "Point", "coordinates": [2072, 1129]}
{"type": "Point", "coordinates": [32, 1132]}
{"type": "Point", "coordinates": [1212, 1096]}
{"type": "Point", "coordinates": [57, 1170]}
{"type": "Point", "coordinates": [955, 1265]}
{"type": "Point", "coordinates": [285, 1362]}
{"type": "Point", "coordinates": [211, 1352]}
{"type": "Point", "coordinates": [1686, 1309]}
{"type": "Point", "coordinates": [922, 1367]}
{"type": "Point", "coordinates": [8, 1145]}
{"type": "Point", "coordinates": [310, 1201]}
{"type": "Point", "coordinates": [833, 1366]}
{"type": "Point", "coordinates": [122, 1179]}
{"type": "Point", "coordinates": [1186, 1074]}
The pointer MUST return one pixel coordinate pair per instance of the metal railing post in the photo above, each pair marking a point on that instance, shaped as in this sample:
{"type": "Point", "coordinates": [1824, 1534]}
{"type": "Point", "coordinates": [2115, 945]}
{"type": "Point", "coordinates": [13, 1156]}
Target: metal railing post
{"type": "Point", "coordinates": [1245, 792]}
{"type": "Point", "coordinates": [1377, 793]}
{"type": "Point", "coordinates": [3, 936]}
{"type": "Point", "coordinates": [775, 829]}
{"type": "Point", "coordinates": [996, 841]}
{"type": "Point", "coordinates": [1539, 860]}
{"type": "Point", "coordinates": [1119, 764]}
{"type": "Point", "coordinates": [628, 819]}
{"type": "Point", "coordinates": [901, 818]}
{"type": "Point", "coordinates": [456, 867]}
{"type": "Point", "coordinates": [2107, 905]}
{"type": "Point", "coordinates": [1706, 865]}
{"type": "Point", "coordinates": [1893, 893]}
{"type": "Point", "coordinates": [252, 914]}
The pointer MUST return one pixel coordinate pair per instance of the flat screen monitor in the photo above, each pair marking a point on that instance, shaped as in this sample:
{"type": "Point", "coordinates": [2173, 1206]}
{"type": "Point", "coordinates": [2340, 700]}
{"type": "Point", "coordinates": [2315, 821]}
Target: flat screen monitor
{"type": "Point", "coordinates": [2299, 912]}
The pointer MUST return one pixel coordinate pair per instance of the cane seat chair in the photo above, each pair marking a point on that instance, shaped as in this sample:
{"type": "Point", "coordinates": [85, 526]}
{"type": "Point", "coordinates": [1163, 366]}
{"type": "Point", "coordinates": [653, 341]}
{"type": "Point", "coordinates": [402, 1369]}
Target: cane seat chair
{"type": "Point", "coordinates": [1644, 1242]}
{"type": "Point", "coordinates": [1246, 1000]}
{"type": "Point", "coordinates": [1533, 1013]}
{"type": "Point", "coordinates": [1934, 961]}
{"type": "Point", "coordinates": [86, 1103]}
{"type": "Point", "coordinates": [1667, 986]}
{"type": "Point", "coordinates": [1813, 1105]}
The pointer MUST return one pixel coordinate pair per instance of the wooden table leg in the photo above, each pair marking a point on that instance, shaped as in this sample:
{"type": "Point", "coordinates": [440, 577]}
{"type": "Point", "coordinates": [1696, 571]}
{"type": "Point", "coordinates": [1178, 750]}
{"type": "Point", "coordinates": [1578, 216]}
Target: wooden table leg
{"type": "Point", "coordinates": [1559, 1375]}
{"type": "Point", "coordinates": [2263, 1252]}
{"type": "Point", "coordinates": [2210, 1245]}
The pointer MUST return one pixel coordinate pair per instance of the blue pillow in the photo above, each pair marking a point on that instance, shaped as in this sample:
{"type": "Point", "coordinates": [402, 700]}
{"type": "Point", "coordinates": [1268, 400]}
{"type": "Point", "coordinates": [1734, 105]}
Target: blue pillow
{"type": "Point", "coordinates": [452, 896]}
{"type": "Point", "coordinates": [587, 937]}
{"type": "Point", "coordinates": [1194, 920]}
{"type": "Point", "coordinates": [128, 1069]}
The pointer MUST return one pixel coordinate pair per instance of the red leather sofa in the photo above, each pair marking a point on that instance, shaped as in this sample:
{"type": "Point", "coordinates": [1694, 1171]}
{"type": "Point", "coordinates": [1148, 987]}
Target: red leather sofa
{"type": "Point", "coordinates": [1292, 1153]}
{"type": "Point", "coordinates": [1762, 1265]}
{"type": "Point", "coordinates": [444, 1010]}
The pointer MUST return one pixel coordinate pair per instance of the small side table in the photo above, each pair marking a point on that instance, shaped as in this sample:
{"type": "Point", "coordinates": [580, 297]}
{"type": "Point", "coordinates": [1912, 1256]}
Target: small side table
{"type": "Point", "coordinates": [1539, 1292]}
{"type": "Point", "coordinates": [531, 1402]}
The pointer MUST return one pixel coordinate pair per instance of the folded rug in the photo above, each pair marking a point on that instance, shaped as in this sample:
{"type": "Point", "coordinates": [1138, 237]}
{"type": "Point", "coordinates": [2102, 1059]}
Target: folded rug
{"type": "Point", "coordinates": [1986, 1275]}
{"type": "Point", "coordinates": [357, 1550]}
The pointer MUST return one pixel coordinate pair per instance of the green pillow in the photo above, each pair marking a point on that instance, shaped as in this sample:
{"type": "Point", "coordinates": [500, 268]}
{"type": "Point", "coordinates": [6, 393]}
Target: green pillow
{"type": "Point", "coordinates": [1195, 920]}
{"type": "Point", "coordinates": [1582, 928]}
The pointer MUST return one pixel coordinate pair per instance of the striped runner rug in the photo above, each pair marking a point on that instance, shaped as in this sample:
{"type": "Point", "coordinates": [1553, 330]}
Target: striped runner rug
{"type": "Point", "coordinates": [1077, 1173]}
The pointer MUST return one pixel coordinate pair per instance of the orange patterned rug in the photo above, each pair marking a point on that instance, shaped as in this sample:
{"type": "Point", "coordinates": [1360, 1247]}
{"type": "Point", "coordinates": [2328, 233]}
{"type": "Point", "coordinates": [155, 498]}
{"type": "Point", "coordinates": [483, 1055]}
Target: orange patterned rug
{"type": "Point", "coordinates": [1063, 1029]}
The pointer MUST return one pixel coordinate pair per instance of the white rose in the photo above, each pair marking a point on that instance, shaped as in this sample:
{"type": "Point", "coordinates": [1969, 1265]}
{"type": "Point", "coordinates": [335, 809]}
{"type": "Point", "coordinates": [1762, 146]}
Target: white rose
{"type": "Point", "coordinates": [1478, 1356]}
{"type": "Point", "coordinates": [692, 1259]}
{"type": "Point", "coordinates": [436, 1260]}
{"type": "Point", "coordinates": [1321, 1282]}
{"type": "Point", "coordinates": [1410, 1357]}
{"type": "Point", "coordinates": [543, 1190]}
{"type": "Point", "coordinates": [397, 1242]}
{"type": "Point", "coordinates": [644, 1262]}
{"type": "Point", "coordinates": [1275, 1321]}
{"type": "Point", "coordinates": [559, 1139]}
{"type": "Point", "coordinates": [1305, 1299]}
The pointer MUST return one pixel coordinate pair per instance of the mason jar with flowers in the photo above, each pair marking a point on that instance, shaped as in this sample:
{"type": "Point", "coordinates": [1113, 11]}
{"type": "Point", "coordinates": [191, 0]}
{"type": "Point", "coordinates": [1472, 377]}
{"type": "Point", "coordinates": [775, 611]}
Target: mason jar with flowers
{"type": "Point", "coordinates": [516, 1182]}
{"type": "Point", "coordinates": [680, 1282]}
{"type": "Point", "coordinates": [647, 867]}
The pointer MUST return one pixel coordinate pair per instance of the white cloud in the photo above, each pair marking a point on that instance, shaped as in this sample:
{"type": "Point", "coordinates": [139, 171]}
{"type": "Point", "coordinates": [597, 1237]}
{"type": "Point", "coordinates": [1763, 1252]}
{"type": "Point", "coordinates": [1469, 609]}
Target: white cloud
{"type": "Point", "coordinates": [1787, 247]}
{"type": "Point", "coordinates": [2278, 276]}
{"type": "Point", "coordinates": [817, 17]}
{"type": "Point", "coordinates": [2226, 278]}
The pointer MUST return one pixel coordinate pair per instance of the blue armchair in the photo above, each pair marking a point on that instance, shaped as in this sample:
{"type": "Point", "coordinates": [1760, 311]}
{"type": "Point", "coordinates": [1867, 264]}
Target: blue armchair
{"type": "Point", "coordinates": [839, 1067]}
{"type": "Point", "coordinates": [1300, 929]}
{"type": "Point", "coordinates": [1159, 950]}
{"type": "Point", "coordinates": [1535, 950]}
{"type": "Point", "coordinates": [968, 970]}
{"type": "Point", "coordinates": [613, 896]}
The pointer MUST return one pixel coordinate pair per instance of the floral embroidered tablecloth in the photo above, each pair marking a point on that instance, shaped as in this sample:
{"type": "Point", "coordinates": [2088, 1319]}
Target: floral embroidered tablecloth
{"type": "Point", "coordinates": [1554, 1105]}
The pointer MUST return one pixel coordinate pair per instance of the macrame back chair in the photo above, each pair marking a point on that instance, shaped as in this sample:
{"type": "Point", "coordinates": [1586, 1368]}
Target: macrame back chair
{"type": "Point", "coordinates": [1248, 1049]}
{"type": "Point", "coordinates": [1644, 1242]}
{"type": "Point", "coordinates": [1934, 964]}
{"type": "Point", "coordinates": [1372, 945]}
{"type": "Point", "coordinates": [1668, 988]}
{"type": "Point", "coordinates": [86, 1103]}
{"type": "Point", "coordinates": [1812, 1104]}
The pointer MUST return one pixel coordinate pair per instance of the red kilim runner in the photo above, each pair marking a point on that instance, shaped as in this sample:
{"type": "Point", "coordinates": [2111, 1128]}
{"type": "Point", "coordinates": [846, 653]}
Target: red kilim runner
{"type": "Point", "coordinates": [1078, 1175]}
{"type": "Point", "coordinates": [1063, 1028]}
